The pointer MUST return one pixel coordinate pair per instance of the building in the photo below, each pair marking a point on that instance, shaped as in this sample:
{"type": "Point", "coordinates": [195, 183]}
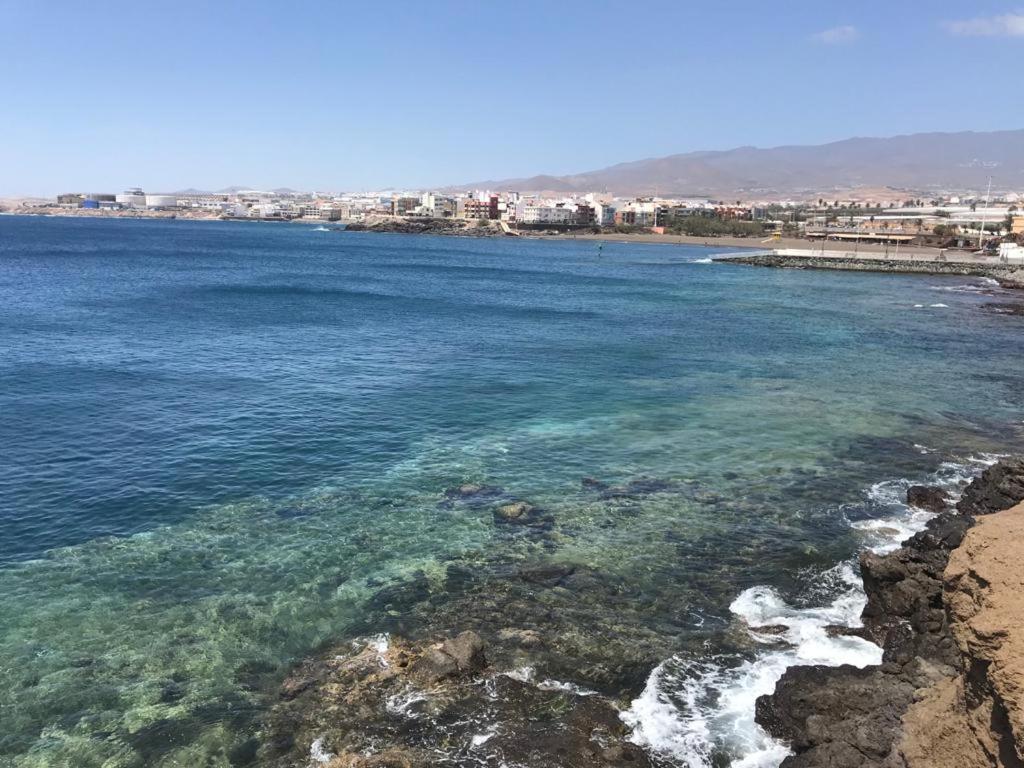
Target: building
{"type": "Point", "coordinates": [403, 206]}
{"type": "Point", "coordinates": [470, 208]}
{"type": "Point", "coordinates": [1011, 252]}
{"type": "Point", "coordinates": [586, 214]}
{"type": "Point", "coordinates": [556, 215]}
{"type": "Point", "coordinates": [132, 198]}
{"type": "Point", "coordinates": [161, 202]}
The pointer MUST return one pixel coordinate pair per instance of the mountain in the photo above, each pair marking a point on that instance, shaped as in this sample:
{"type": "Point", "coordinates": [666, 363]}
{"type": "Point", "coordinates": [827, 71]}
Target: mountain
{"type": "Point", "coordinates": [922, 162]}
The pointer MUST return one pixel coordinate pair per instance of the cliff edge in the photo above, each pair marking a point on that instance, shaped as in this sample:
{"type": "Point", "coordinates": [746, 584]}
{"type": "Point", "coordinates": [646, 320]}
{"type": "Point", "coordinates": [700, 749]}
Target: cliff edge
{"type": "Point", "coordinates": [948, 610]}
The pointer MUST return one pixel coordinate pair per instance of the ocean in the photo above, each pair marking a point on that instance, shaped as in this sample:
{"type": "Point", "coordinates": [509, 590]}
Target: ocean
{"type": "Point", "coordinates": [224, 446]}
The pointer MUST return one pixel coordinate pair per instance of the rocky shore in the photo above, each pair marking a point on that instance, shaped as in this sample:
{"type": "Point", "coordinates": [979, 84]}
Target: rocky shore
{"type": "Point", "coordinates": [401, 704]}
{"type": "Point", "coordinates": [948, 609]}
{"type": "Point", "coordinates": [455, 227]}
{"type": "Point", "coordinates": [476, 670]}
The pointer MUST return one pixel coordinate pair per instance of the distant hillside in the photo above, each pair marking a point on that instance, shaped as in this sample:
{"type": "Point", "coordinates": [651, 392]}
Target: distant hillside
{"type": "Point", "coordinates": [921, 162]}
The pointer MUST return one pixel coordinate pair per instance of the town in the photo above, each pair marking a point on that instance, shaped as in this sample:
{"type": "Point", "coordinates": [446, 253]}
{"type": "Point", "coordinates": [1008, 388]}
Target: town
{"type": "Point", "coordinates": [968, 221]}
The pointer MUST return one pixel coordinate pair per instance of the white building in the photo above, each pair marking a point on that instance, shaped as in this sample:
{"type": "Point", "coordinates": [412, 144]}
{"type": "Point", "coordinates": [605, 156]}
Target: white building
{"type": "Point", "coordinates": [161, 201]}
{"type": "Point", "coordinates": [1011, 252]}
{"type": "Point", "coordinates": [132, 198]}
{"type": "Point", "coordinates": [545, 214]}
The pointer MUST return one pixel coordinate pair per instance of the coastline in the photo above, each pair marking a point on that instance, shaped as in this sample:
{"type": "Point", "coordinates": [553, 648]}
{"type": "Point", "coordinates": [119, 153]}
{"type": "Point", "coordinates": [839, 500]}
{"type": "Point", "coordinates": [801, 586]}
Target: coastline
{"type": "Point", "coordinates": [404, 702]}
{"type": "Point", "coordinates": [945, 608]}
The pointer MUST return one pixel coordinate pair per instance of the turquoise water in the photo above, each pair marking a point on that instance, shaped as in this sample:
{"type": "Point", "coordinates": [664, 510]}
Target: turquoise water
{"type": "Point", "coordinates": [223, 442]}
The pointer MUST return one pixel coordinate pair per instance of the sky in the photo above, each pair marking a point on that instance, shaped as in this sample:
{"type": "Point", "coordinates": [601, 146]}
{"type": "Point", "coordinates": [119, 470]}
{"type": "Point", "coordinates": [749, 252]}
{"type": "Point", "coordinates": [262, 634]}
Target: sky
{"type": "Point", "coordinates": [99, 96]}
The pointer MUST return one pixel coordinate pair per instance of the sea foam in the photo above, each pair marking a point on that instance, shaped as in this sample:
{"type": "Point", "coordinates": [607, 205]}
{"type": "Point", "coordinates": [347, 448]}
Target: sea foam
{"type": "Point", "coordinates": [694, 711]}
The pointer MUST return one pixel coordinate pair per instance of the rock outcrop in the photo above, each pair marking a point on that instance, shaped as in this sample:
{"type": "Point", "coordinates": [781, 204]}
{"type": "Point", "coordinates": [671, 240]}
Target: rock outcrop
{"type": "Point", "coordinates": [405, 704]}
{"type": "Point", "coordinates": [423, 226]}
{"type": "Point", "coordinates": [947, 610]}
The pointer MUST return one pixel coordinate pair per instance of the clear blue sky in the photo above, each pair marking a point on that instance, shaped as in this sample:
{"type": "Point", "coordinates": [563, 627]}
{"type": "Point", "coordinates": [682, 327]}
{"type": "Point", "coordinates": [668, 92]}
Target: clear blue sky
{"type": "Point", "coordinates": [97, 96]}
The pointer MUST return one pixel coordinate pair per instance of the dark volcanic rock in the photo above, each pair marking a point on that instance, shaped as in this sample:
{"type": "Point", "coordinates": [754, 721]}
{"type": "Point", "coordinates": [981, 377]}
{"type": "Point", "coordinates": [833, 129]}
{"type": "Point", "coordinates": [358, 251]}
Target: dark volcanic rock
{"type": "Point", "coordinates": [459, 227]}
{"type": "Point", "coordinates": [1004, 308]}
{"type": "Point", "coordinates": [549, 575]}
{"type": "Point", "coordinates": [845, 717]}
{"type": "Point", "coordinates": [928, 498]}
{"type": "Point", "coordinates": [999, 487]}
{"type": "Point", "coordinates": [835, 716]}
{"type": "Point", "coordinates": [904, 588]}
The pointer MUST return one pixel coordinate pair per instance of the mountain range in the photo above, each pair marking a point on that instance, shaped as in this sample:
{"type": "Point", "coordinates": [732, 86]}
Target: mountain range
{"type": "Point", "coordinates": [921, 163]}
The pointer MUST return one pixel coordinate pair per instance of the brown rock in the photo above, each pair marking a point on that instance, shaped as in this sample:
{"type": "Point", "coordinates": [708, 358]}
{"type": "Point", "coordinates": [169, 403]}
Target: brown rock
{"type": "Point", "coordinates": [433, 666]}
{"type": "Point", "coordinates": [526, 638]}
{"type": "Point", "coordinates": [467, 649]}
{"type": "Point", "coordinates": [517, 510]}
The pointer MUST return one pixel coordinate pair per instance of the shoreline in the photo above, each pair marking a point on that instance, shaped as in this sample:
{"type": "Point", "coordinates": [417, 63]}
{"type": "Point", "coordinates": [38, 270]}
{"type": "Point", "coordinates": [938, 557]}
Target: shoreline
{"type": "Point", "coordinates": [942, 607]}
{"type": "Point", "coordinates": [901, 663]}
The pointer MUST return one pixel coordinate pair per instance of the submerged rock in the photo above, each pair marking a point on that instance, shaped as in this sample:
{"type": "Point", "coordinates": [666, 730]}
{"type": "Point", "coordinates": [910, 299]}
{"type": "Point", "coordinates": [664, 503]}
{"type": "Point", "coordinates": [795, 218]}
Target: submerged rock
{"type": "Point", "coordinates": [523, 513]}
{"type": "Point", "coordinates": [389, 758]}
{"type": "Point", "coordinates": [414, 705]}
{"type": "Point", "coordinates": [1004, 308]}
{"type": "Point", "coordinates": [514, 512]}
{"type": "Point", "coordinates": [472, 491]}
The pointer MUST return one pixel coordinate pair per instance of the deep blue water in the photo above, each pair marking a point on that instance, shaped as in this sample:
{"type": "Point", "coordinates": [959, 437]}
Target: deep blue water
{"type": "Point", "coordinates": [233, 432]}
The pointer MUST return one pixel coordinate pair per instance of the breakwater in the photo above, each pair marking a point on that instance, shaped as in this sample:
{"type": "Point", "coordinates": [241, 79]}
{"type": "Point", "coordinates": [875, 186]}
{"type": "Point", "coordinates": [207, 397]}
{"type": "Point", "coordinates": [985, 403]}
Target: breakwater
{"type": "Point", "coordinates": [789, 258]}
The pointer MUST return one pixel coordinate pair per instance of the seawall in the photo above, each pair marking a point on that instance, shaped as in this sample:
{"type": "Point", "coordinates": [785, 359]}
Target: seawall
{"type": "Point", "coordinates": [1008, 274]}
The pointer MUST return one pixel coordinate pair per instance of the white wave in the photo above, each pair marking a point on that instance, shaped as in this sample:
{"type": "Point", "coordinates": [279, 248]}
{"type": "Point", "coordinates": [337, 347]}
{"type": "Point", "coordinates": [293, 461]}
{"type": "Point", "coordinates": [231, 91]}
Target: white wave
{"type": "Point", "coordinates": [318, 754]}
{"type": "Point", "coordinates": [558, 685]}
{"type": "Point", "coordinates": [480, 739]}
{"type": "Point", "coordinates": [522, 674]}
{"type": "Point", "coordinates": [702, 261]}
{"type": "Point", "coordinates": [984, 285]}
{"type": "Point", "coordinates": [944, 306]}
{"type": "Point", "coordinates": [321, 229]}
{"type": "Point", "coordinates": [919, 306]}
{"type": "Point", "coordinates": [401, 703]}
{"type": "Point", "coordinates": [690, 711]}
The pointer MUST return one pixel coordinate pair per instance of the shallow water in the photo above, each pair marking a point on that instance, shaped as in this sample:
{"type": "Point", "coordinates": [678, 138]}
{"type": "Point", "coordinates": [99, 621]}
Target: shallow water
{"type": "Point", "coordinates": [223, 442]}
